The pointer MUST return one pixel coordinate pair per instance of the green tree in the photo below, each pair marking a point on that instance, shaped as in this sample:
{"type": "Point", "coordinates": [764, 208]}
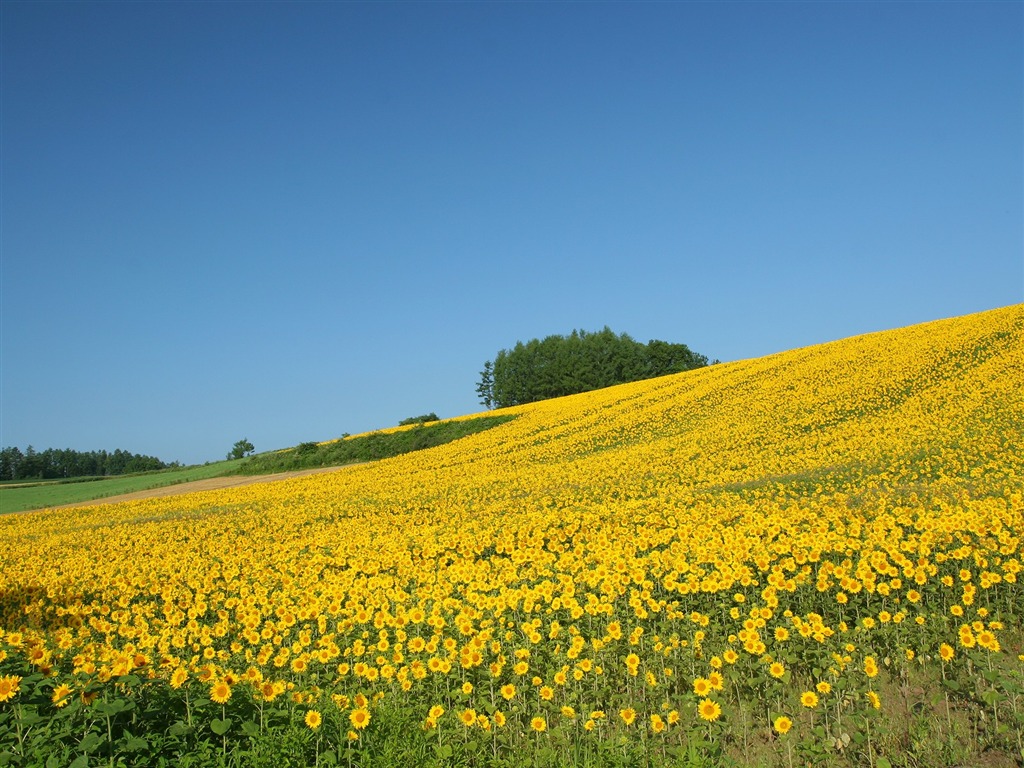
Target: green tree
{"type": "Point", "coordinates": [579, 362]}
{"type": "Point", "coordinates": [241, 449]}
{"type": "Point", "coordinates": [485, 387]}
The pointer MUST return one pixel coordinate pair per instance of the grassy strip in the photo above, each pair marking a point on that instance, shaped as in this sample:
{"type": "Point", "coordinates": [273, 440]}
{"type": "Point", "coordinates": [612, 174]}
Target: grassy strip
{"type": "Point", "coordinates": [369, 447]}
{"type": "Point", "coordinates": [51, 494]}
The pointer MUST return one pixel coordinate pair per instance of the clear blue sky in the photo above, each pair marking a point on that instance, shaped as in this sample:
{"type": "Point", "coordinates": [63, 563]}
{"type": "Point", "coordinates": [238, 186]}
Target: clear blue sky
{"type": "Point", "coordinates": [286, 221]}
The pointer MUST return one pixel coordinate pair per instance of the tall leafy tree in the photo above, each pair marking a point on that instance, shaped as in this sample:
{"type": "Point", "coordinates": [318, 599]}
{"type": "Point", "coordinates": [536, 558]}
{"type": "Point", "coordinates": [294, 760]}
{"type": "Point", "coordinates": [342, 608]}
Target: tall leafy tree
{"type": "Point", "coordinates": [241, 449]}
{"type": "Point", "coordinates": [485, 387]}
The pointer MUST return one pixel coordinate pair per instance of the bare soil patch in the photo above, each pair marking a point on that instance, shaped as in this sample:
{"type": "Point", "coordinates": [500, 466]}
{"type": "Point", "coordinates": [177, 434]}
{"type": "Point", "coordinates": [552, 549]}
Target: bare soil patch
{"type": "Point", "coordinates": [210, 484]}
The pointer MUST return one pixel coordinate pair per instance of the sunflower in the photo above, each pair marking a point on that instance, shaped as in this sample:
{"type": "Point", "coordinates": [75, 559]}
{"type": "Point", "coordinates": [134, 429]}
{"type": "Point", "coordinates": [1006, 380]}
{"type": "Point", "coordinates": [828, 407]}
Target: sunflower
{"type": "Point", "coordinates": [783, 724]}
{"type": "Point", "coordinates": [436, 711]}
{"type": "Point", "coordinates": [709, 710]}
{"type": "Point", "coordinates": [876, 702]}
{"type": "Point", "coordinates": [313, 719]}
{"type": "Point", "coordinates": [508, 691]}
{"type": "Point", "coordinates": [809, 699]}
{"type": "Point", "coordinates": [946, 652]}
{"type": "Point", "coordinates": [701, 687]}
{"type": "Point", "coordinates": [988, 641]}
{"type": "Point", "coordinates": [60, 695]}
{"type": "Point", "coordinates": [220, 692]}
{"type": "Point", "coordinates": [178, 677]}
{"type": "Point", "coordinates": [777, 669]}
{"type": "Point", "coordinates": [539, 724]}
{"type": "Point", "coordinates": [657, 724]}
{"type": "Point", "coordinates": [870, 666]}
{"type": "Point", "coordinates": [360, 718]}
{"type": "Point", "coordinates": [628, 715]}
{"type": "Point", "coordinates": [268, 691]}
{"type": "Point", "coordinates": [467, 717]}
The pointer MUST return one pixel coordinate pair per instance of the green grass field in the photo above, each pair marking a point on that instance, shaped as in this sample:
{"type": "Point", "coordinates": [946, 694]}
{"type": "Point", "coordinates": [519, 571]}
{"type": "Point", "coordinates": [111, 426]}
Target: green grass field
{"type": "Point", "coordinates": [20, 497]}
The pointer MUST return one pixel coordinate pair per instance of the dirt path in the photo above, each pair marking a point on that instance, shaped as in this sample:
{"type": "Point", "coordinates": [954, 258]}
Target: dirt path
{"type": "Point", "coordinates": [210, 484]}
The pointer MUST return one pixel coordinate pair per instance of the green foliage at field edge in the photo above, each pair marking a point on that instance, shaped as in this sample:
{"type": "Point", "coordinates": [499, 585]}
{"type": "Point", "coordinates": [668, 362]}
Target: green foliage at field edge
{"type": "Point", "coordinates": [369, 447]}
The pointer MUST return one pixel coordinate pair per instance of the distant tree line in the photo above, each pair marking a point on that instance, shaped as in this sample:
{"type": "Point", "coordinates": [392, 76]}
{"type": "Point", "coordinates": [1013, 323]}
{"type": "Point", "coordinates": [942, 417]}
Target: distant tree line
{"type": "Point", "coordinates": [56, 463]}
{"type": "Point", "coordinates": [580, 362]}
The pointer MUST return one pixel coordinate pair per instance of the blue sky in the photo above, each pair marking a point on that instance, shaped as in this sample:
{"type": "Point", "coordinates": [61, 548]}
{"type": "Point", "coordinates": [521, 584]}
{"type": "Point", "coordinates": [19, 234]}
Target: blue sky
{"type": "Point", "coordinates": [286, 221]}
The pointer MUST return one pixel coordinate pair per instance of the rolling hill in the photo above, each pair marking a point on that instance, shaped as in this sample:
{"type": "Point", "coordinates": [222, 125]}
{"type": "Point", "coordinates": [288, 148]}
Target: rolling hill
{"type": "Point", "coordinates": [677, 566]}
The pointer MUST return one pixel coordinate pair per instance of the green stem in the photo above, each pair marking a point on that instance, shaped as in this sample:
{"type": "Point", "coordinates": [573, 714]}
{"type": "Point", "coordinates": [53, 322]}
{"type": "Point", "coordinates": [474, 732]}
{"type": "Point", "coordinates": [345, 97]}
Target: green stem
{"type": "Point", "coordinates": [871, 754]}
{"type": "Point", "coordinates": [17, 725]}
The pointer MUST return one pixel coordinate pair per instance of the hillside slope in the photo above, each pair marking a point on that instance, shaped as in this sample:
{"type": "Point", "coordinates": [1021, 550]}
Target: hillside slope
{"type": "Point", "coordinates": [823, 491]}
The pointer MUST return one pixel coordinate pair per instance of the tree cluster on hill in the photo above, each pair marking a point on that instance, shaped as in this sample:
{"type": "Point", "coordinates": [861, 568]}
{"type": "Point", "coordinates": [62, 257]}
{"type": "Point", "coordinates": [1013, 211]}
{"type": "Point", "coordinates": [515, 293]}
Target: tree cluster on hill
{"type": "Point", "coordinates": [56, 463]}
{"type": "Point", "coordinates": [424, 419]}
{"type": "Point", "coordinates": [579, 362]}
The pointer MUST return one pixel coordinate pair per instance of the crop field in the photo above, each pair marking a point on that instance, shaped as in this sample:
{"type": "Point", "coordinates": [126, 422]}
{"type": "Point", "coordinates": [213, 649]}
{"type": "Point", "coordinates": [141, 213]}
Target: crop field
{"type": "Point", "coordinates": [805, 559]}
{"type": "Point", "coordinates": [21, 496]}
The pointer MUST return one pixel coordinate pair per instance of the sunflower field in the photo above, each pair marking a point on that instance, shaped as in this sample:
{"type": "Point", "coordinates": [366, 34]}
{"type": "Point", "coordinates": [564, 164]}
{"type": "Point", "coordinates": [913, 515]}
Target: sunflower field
{"type": "Point", "coordinates": [804, 559]}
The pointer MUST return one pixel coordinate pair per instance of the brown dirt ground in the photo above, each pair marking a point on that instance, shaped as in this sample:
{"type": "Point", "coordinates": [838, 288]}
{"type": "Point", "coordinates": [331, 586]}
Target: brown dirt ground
{"type": "Point", "coordinates": [210, 484]}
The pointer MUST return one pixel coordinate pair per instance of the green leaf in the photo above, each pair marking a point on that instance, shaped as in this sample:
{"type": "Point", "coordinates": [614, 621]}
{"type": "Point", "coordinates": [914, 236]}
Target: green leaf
{"type": "Point", "coordinates": [953, 685]}
{"type": "Point", "coordinates": [991, 697]}
{"type": "Point", "coordinates": [220, 727]}
{"type": "Point", "coordinates": [108, 708]}
{"type": "Point", "coordinates": [883, 762]}
{"type": "Point", "coordinates": [90, 742]}
{"type": "Point", "coordinates": [82, 761]}
{"type": "Point", "coordinates": [180, 728]}
{"type": "Point", "coordinates": [30, 718]}
{"type": "Point", "coordinates": [136, 744]}
{"type": "Point", "coordinates": [249, 728]}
